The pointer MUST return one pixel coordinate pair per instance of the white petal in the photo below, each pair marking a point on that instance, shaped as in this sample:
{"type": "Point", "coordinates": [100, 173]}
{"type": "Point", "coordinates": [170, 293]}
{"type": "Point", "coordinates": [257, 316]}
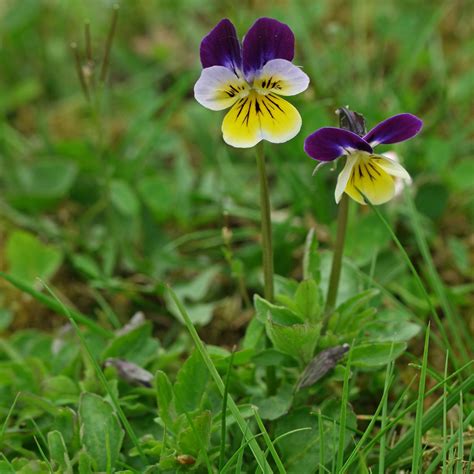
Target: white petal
{"type": "Point", "coordinates": [281, 77]}
{"type": "Point", "coordinates": [392, 167]}
{"type": "Point", "coordinates": [344, 176]}
{"type": "Point", "coordinates": [218, 88]}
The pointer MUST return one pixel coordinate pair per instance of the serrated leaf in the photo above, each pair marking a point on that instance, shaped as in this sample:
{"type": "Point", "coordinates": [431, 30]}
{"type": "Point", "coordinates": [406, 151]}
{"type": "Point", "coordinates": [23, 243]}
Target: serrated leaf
{"type": "Point", "coordinates": [297, 340]}
{"type": "Point", "coordinates": [308, 301]}
{"type": "Point", "coordinates": [278, 314]}
{"type": "Point", "coordinates": [101, 433]}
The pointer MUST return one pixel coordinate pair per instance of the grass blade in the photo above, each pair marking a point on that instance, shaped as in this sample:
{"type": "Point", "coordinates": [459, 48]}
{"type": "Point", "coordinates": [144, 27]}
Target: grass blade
{"type": "Point", "coordinates": [224, 411]}
{"type": "Point", "coordinates": [343, 415]}
{"type": "Point", "coordinates": [447, 446]}
{"type": "Point", "coordinates": [321, 443]}
{"type": "Point", "coordinates": [9, 414]}
{"type": "Point", "coordinates": [271, 448]}
{"type": "Point", "coordinates": [57, 307]}
{"type": "Point", "coordinates": [381, 406]}
{"type": "Point", "coordinates": [417, 446]}
{"type": "Point", "coordinates": [445, 417]}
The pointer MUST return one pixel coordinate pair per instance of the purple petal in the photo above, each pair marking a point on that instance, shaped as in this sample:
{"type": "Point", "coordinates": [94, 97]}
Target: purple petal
{"type": "Point", "coordinates": [395, 129]}
{"type": "Point", "coordinates": [221, 47]}
{"type": "Point", "coordinates": [267, 39]}
{"type": "Point", "coordinates": [328, 143]}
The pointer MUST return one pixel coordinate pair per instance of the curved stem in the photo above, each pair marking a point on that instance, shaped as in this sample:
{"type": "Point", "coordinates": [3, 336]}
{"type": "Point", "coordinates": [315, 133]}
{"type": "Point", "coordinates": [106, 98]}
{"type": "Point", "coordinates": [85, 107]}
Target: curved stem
{"type": "Point", "coordinates": [266, 225]}
{"type": "Point", "coordinates": [338, 252]}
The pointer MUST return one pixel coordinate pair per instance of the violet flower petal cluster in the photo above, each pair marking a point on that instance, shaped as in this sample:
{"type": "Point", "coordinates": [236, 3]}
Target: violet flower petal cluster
{"type": "Point", "coordinates": [250, 80]}
{"type": "Point", "coordinates": [365, 173]}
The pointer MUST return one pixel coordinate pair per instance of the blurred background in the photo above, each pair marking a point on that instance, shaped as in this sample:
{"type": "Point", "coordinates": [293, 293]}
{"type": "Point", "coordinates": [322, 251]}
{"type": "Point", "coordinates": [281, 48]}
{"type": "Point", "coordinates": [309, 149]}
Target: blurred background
{"type": "Point", "coordinates": [108, 199]}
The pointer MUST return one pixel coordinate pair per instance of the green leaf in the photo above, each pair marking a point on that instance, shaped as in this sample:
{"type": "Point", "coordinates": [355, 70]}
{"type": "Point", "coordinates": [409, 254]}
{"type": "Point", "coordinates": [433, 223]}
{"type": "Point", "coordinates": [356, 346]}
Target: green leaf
{"type": "Point", "coordinates": [28, 258]}
{"type": "Point", "coordinates": [135, 346]}
{"type": "Point", "coordinates": [58, 452]}
{"type": "Point", "coordinates": [391, 326]}
{"type": "Point", "coordinates": [269, 357]}
{"type": "Point", "coordinates": [378, 354]}
{"type": "Point", "coordinates": [350, 282]}
{"type": "Point", "coordinates": [308, 301]}
{"type": "Point", "coordinates": [352, 314]}
{"type": "Point", "coordinates": [85, 463]}
{"type": "Point", "coordinates": [271, 408]}
{"type": "Point", "coordinates": [39, 185]}
{"type": "Point", "coordinates": [164, 397]}
{"type": "Point", "coordinates": [194, 439]}
{"type": "Point", "coordinates": [101, 433]}
{"type": "Point", "coordinates": [86, 265]}
{"type": "Point", "coordinates": [297, 340]}
{"type": "Point", "coordinates": [353, 304]}
{"type": "Point", "coordinates": [60, 389]}
{"type": "Point", "coordinates": [26, 466]}
{"type": "Point", "coordinates": [278, 314]}
{"type": "Point", "coordinates": [6, 468]}
{"type": "Point", "coordinates": [65, 422]}
{"type": "Point", "coordinates": [124, 198]}
{"type": "Point", "coordinates": [197, 288]}
{"type": "Point", "coordinates": [253, 335]}
{"type": "Point", "coordinates": [311, 258]}
{"type": "Point", "coordinates": [191, 383]}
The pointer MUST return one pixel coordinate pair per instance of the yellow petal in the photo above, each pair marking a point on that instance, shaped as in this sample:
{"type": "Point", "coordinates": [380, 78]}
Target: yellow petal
{"type": "Point", "coordinates": [375, 183]}
{"type": "Point", "coordinates": [260, 117]}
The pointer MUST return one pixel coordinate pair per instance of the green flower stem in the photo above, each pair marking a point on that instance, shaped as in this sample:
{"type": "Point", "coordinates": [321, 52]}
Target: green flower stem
{"type": "Point", "coordinates": [267, 249]}
{"type": "Point", "coordinates": [266, 225]}
{"type": "Point", "coordinates": [337, 256]}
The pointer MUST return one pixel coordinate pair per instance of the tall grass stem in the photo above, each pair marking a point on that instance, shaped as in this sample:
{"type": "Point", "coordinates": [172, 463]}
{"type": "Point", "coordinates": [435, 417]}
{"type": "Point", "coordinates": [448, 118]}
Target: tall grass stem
{"type": "Point", "coordinates": [336, 265]}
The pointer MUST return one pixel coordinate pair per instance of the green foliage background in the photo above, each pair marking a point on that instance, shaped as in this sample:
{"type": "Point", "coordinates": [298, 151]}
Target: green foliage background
{"type": "Point", "coordinates": [110, 200]}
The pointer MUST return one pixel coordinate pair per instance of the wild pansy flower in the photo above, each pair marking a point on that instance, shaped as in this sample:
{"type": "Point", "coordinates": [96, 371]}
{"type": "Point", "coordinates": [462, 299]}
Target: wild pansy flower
{"type": "Point", "coordinates": [373, 175]}
{"type": "Point", "coordinates": [250, 78]}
